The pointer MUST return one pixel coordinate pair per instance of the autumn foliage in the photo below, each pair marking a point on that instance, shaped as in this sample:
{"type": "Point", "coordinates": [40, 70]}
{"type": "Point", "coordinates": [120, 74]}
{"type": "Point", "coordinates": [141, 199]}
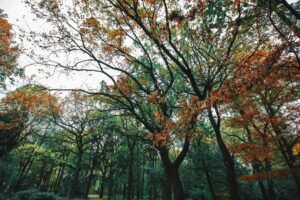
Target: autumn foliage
{"type": "Point", "coordinates": [8, 50]}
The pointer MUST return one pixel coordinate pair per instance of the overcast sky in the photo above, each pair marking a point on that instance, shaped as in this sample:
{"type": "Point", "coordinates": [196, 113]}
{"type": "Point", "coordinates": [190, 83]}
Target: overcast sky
{"type": "Point", "coordinates": [20, 16]}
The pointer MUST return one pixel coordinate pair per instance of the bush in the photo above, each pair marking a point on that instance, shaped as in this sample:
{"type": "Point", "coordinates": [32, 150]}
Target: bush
{"type": "Point", "coordinates": [33, 195]}
{"type": "Point", "coordinates": [3, 197]}
{"type": "Point", "coordinates": [43, 196]}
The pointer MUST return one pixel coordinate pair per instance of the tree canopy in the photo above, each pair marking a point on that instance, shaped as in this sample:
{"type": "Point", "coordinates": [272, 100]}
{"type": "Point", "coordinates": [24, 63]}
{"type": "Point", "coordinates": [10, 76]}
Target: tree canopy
{"type": "Point", "coordinates": [195, 100]}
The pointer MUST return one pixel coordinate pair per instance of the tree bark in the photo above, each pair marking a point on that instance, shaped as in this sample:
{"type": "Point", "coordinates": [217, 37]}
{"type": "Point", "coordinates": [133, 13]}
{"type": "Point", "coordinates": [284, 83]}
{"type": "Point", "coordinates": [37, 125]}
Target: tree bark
{"type": "Point", "coordinates": [130, 176]}
{"type": "Point", "coordinates": [74, 184]}
{"type": "Point", "coordinates": [228, 159]}
{"type": "Point", "coordinates": [173, 186]}
{"type": "Point", "coordinates": [90, 178]}
{"type": "Point", "coordinates": [210, 184]}
{"type": "Point", "coordinates": [271, 192]}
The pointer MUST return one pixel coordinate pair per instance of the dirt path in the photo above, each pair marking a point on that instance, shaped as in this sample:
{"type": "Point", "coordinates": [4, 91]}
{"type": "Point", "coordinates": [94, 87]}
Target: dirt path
{"type": "Point", "coordinates": [96, 197]}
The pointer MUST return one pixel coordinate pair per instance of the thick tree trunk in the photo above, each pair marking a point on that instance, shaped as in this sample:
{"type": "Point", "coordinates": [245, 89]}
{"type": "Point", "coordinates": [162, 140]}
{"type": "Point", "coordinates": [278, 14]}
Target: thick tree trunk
{"type": "Point", "coordinates": [228, 159]}
{"type": "Point", "coordinates": [173, 186]}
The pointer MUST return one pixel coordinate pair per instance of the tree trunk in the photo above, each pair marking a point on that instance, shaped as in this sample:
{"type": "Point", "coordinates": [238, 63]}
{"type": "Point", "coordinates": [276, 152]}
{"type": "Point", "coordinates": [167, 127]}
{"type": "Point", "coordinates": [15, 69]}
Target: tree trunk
{"type": "Point", "coordinates": [90, 179]}
{"type": "Point", "coordinates": [25, 167]}
{"type": "Point", "coordinates": [287, 153]}
{"type": "Point", "coordinates": [210, 185]}
{"type": "Point", "coordinates": [130, 177]}
{"type": "Point", "coordinates": [142, 183]}
{"type": "Point", "coordinates": [228, 159]}
{"type": "Point", "coordinates": [255, 163]}
{"type": "Point", "coordinates": [101, 192]}
{"type": "Point", "coordinates": [173, 186]}
{"type": "Point", "coordinates": [110, 185]}
{"type": "Point", "coordinates": [103, 179]}
{"type": "Point", "coordinates": [255, 168]}
{"type": "Point", "coordinates": [59, 178]}
{"type": "Point", "coordinates": [124, 191]}
{"type": "Point", "coordinates": [41, 176]}
{"type": "Point", "coordinates": [74, 184]}
{"type": "Point", "coordinates": [271, 192]}
{"type": "Point", "coordinates": [263, 190]}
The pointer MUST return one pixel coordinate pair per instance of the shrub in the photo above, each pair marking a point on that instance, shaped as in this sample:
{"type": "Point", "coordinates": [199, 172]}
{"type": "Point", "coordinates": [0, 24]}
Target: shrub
{"type": "Point", "coordinates": [33, 195]}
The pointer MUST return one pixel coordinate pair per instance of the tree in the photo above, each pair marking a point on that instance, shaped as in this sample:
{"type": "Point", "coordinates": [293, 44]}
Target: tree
{"type": "Point", "coordinates": [8, 52]}
{"type": "Point", "coordinates": [21, 111]}
{"type": "Point", "coordinates": [76, 119]}
{"type": "Point", "coordinates": [263, 85]}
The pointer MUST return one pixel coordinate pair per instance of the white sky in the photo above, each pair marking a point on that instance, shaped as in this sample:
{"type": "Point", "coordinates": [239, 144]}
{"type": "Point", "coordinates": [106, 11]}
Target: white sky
{"type": "Point", "coordinates": [20, 17]}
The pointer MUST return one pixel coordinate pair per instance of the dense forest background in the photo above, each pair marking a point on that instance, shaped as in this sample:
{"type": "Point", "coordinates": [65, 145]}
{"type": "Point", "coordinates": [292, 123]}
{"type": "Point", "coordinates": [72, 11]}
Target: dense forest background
{"type": "Point", "coordinates": [196, 99]}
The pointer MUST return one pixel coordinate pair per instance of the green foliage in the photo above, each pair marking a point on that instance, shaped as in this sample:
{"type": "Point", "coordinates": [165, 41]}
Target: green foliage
{"type": "Point", "coordinates": [32, 194]}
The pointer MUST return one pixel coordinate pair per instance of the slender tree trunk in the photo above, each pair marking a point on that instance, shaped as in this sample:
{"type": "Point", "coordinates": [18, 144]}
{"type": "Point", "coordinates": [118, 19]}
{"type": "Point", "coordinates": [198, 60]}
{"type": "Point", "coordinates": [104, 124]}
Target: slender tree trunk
{"type": "Point", "coordinates": [131, 146]}
{"type": "Point", "coordinates": [103, 179]}
{"type": "Point", "coordinates": [74, 184]}
{"type": "Point", "coordinates": [263, 190]}
{"type": "Point", "coordinates": [110, 185]}
{"type": "Point", "coordinates": [138, 183]}
{"type": "Point", "coordinates": [101, 192]}
{"type": "Point", "coordinates": [24, 171]}
{"type": "Point", "coordinates": [41, 176]}
{"type": "Point", "coordinates": [124, 191]}
{"type": "Point", "coordinates": [210, 185]}
{"type": "Point", "coordinates": [101, 189]}
{"type": "Point", "coordinates": [130, 177]}
{"type": "Point", "coordinates": [47, 178]}
{"type": "Point", "coordinates": [90, 178]}
{"type": "Point", "coordinates": [60, 173]}
{"type": "Point", "coordinates": [150, 192]}
{"type": "Point", "coordinates": [59, 178]}
{"type": "Point", "coordinates": [142, 182]}
{"type": "Point", "coordinates": [255, 163]}
{"type": "Point", "coordinates": [284, 147]}
{"type": "Point", "coordinates": [271, 192]}
{"type": "Point", "coordinates": [255, 168]}
{"type": "Point", "coordinates": [228, 159]}
{"type": "Point", "coordinates": [287, 153]}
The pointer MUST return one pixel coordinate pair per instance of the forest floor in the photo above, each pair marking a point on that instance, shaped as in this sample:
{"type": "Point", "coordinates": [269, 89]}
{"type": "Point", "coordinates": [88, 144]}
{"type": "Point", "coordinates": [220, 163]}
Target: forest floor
{"type": "Point", "coordinates": [96, 197]}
